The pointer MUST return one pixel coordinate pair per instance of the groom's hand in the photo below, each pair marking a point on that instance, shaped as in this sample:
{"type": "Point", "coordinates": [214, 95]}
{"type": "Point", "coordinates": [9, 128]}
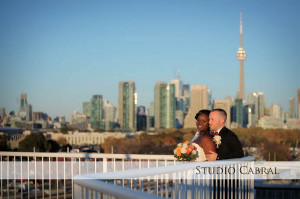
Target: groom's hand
{"type": "Point", "coordinates": [212, 156]}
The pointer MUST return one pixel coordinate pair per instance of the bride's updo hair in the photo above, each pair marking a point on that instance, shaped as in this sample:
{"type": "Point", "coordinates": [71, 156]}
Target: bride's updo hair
{"type": "Point", "coordinates": [203, 111]}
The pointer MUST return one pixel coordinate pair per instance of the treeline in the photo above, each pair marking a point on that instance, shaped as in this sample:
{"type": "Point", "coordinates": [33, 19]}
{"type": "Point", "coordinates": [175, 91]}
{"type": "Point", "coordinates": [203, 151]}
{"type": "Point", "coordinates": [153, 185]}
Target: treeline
{"type": "Point", "coordinates": [271, 144]}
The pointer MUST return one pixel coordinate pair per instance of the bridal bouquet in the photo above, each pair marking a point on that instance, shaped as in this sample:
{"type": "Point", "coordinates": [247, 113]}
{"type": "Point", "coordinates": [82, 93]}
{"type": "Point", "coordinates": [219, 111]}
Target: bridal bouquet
{"type": "Point", "coordinates": [185, 152]}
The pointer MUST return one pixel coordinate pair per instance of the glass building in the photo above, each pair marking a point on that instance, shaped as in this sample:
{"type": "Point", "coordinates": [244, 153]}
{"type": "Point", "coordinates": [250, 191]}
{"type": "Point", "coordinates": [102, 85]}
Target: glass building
{"type": "Point", "coordinates": [96, 112]}
{"type": "Point", "coordinates": [127, 105]}
{"type": "Point", "coordinates": [165, 105]}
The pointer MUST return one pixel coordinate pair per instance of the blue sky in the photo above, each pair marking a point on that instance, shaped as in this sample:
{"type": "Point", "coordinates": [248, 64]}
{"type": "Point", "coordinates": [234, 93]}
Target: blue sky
{"type": "Point", "coordinates": [61, 52]}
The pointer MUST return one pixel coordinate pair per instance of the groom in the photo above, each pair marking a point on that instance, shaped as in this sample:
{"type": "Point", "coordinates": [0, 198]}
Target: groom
{"type": "Point", "coordinates": [229, 146]}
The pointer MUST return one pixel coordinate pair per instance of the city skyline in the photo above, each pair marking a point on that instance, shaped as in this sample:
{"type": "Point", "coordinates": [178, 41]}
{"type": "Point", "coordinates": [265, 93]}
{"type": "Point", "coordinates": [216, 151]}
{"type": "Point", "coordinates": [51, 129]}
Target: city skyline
{"type": "Point", "coordinates": [61, 54]}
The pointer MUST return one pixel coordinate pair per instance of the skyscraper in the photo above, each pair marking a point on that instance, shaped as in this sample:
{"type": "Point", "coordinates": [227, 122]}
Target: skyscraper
{"type": "Point", "coordinates": [86, 106]}
{"type": "Point", "coordinates": [165, 105]}
{"type": "Point", "coordinates": [199, 100]}
{"type": "Point", "coordinates": [29, 112]}
{"type": "Point", "coordinates": [241, 56]}
{"type": "Point", "coordinates": [292, 108]}
{"type": "Point", "coordinates": [258, 100]}
{"type": "Point", "coordinates": [2, 113]}
{"type": "Point", "coordinates": [96, 112]}
{"type": "Point", "coordinates": [276, 111]}
{"type": "Point", "coordinates": [127, 105]}
{"type": "Point", "coordinates": [23, 106]}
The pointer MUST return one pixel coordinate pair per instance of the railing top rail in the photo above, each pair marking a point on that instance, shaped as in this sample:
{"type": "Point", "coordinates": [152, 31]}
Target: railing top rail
{"type": "Point", "coordinates": [181, 166]}
{"type": "Point", "coordinates": [111, 189]}
{"type": "Point", "coordinates": [89, 155]}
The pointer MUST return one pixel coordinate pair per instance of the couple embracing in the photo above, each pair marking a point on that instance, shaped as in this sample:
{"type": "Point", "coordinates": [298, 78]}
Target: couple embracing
{"type": "Point", "coordinates": [213, 140]}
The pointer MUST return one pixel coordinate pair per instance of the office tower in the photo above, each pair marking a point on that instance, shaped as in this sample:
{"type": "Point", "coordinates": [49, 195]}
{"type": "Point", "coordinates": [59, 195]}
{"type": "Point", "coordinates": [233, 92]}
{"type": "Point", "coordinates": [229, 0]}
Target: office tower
{"type": "Point", "coordinates": [248, 116]}
{"type": "Point", "coordinates": [298, 102]}
{"type": "Point", "coordinates": [199, 100]}
{"type": "Point", "coordinates": [165, 105]}
{"type": "Point", "coordinates": [187, 96]}
{"type": "Point", "coordinates": [241, 56]}
{"type": "Point", "coordinates": [96, 112]}
{"type": "Point", "coordinates": [86, 107]}
{"type": "Point", "coordinates": [127, 105]}
{"type": "Point", "coordinates": [225, 105]}
{"type": "Point", "coordinates": [276, 111]}
{"type": "Point", "coordinates": [141, 118]}
{"type": "Point", "coordinates": [261, 104]}
{"type": "Point", "coordinates": [23, 106]}
{"type": "Point", "coordinates": [28, 112]}
{"type": "Point", "coordinates": [150, 117]}
{"type": "Point", "coordinates": [109, 115]}
{"type": "Point", "coordinates": [178, 87]}
{"type": "Point", "coordinates": [292, 108]}
{"type": "Point", "coordinates": [2, 113]}
{"type": "Point", "coordinates": [239, 112]}
{"type": "Point", "coordinates": [258, 100]}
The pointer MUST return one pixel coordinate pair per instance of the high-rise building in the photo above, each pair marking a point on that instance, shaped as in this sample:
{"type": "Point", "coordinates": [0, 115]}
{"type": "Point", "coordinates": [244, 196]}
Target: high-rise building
{"type": "Point", "coordinates": [127, 105]}
{"type": "Point", "coordinates": [239, 112]}
{"type": "Point", "coordinates": [199, 100]}
{"type": "Point", "coordinates": [241, 56]}
{"type": "Point", "coordinates": [292, 108]}
{"type": "Point", "coordinates": [23, 106]}
{"type": "Point", "coordinates": [187, 96]}
{"type": "Point", "coordinates": [86, 107]}
{"type": "Point", "coordinates": [298, 102]}
{"type": "Point", "coordinates": [225, 105]}
{"type": "Point", "coordinates": [165, 105]}
{"type": "Point", "coordinates": [178, 87]}
{"type": "Point", "coordinates": [248, 116]}
{"type": "Point", "coordinates": [141, 118]}
{"type": "Point", "coordinates": [150, 117]}
{"type": "Point", "coordinates": [109, 115]}
{"type": "Point", "coordinates": [96, 112]}
{"type": "Point", "coordinates": [276, 111]}
{"type": "Point", "coordinates": [258, 100]}
{"type": "Point", "coordinates": [2, 113]}
{"type": "Point", "coordinates": [29, 112]}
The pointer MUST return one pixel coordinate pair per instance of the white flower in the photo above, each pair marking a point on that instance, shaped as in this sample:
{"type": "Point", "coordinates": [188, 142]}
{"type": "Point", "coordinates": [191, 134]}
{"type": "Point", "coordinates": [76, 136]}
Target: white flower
{"type": "Point", "coordinates": [185, 146]}
{"type": "Point", "coordinates": [194, 152]}
{"type": "Point", "coordinates": [217, 140]}
{"type": "Point", "coordinates": [183, 150]}
{"type": "Point", "coordinates": [175, 151]}
{"type": "Point", "coordinates": [179, 145]}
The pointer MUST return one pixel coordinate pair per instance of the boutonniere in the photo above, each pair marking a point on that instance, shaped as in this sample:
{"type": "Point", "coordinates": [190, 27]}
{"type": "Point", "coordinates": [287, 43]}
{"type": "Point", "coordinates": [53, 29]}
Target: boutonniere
{"type": "Point", "coordinates": [217, 139]}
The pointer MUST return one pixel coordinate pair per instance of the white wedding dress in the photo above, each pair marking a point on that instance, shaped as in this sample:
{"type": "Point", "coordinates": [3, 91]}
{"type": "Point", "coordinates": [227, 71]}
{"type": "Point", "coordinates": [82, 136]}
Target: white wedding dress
{"type": "Point", "coordinates": [200, 153]}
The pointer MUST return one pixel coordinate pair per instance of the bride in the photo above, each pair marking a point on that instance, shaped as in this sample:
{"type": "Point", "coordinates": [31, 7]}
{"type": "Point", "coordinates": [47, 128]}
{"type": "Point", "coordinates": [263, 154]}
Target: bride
{"type": "Point", "coordinates": [202, 140]}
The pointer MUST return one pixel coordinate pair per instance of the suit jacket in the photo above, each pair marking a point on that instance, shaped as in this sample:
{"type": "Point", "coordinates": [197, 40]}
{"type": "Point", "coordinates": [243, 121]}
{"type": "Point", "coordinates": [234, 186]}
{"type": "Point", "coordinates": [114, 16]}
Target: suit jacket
{"type": "Point", "coordinates": [230, 146]}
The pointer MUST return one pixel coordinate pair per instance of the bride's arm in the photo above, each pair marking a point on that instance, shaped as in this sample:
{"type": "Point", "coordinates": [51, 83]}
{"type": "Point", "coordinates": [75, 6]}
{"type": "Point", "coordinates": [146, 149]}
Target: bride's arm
{"type": "Point", "coordinates": [208, 145]}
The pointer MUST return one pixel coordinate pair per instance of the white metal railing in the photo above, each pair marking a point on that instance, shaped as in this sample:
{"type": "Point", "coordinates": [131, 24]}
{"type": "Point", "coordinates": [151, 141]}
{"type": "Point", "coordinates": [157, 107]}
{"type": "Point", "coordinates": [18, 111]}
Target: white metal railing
{"type": "Point", "coordinates": [19, 170]}
{"type": "Point", "coordinates": [176, 181]}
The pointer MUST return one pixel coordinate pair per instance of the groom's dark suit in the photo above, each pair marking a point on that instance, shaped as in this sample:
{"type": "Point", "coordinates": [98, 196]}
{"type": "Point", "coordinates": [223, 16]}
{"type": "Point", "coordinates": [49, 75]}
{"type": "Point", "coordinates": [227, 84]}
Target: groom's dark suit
{"type": "Point", "coordinates": [230, 146]}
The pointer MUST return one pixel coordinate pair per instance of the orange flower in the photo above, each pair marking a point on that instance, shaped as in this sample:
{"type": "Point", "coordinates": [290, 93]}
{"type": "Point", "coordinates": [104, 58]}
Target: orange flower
{"type": "Point", "coordinates": [186, 142]}
{"type": "Point", "coordinates": [189, 150]}
{"type": "Point", "coordinates": [191, 147]}
{"type": "Point", "coordinates": [178, 151]}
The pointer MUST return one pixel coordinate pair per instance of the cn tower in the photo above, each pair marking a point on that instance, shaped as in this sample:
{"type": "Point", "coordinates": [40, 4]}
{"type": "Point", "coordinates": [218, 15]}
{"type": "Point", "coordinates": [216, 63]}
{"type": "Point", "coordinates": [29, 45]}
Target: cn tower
{"type": "Point", "coordinates": [241, 56]}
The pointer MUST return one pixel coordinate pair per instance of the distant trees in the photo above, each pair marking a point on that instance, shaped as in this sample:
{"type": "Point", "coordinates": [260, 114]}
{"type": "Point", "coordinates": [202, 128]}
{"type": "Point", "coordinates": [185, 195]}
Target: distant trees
{"type": "Point", "coordinates": [39, 143]}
